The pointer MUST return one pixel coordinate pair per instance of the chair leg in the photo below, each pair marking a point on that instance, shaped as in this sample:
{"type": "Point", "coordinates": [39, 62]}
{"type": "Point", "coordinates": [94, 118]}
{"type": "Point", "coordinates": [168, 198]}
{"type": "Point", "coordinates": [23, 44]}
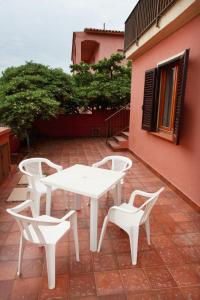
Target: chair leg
{"type": "Point", "coordinates": [35, 196]}
{"type": "Point", "coordinates": [21, 252]}
{"type": "Point", "coordinates": [75, 232]}
{"type": "Point", "coordinates": [118, 194]}
{"type": "Point", "coordinates": [50, 259]}
{"type": "Point", "coordinates": [133, 236]}
{"type": "Point", "coordinates": [105, 223]}
{"type": "Point", "coordinates": [148, 232]}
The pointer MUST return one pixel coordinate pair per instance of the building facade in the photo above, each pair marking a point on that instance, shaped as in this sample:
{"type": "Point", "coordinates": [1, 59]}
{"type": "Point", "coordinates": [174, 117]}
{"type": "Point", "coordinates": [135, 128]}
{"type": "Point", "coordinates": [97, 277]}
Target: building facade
{"type": "Point", "coordinates": [162, 41]}
{"type": "Point", "coordinates": [92, 45]}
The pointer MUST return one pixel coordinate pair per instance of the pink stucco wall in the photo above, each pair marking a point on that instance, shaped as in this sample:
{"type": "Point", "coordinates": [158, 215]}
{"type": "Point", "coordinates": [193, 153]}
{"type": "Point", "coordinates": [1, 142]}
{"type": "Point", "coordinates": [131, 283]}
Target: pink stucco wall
{"type": "Point", "coordinates": [179, 164]}
{"type": "Point", "coordinates": [108, 44]}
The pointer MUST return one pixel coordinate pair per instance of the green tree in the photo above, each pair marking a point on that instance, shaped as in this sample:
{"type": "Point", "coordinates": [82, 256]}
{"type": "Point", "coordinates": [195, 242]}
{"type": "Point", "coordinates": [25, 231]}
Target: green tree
{"type": "Point", "coordinates": [30, 92]}
{"type": "Point", "coordinates": [34, 91]}
{"type": "Point", "coordinates": [102, 85]}
{"type": "Point", "coordinates": [82, 78]}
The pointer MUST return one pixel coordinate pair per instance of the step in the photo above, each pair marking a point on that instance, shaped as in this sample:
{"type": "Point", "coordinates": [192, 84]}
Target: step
{"type": "Point", "coordinates": [120, 138]}
{"type": "Point", "coordinates": [125, 133]}
{"type": "Point", "coordinates": [115, 146]}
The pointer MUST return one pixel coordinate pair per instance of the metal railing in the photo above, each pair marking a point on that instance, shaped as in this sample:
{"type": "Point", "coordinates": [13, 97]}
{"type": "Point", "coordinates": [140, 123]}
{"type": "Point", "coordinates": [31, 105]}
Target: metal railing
{"type": "Point", "coordinates": [118, 121]}
{"type": "Point", "coordinates": [143, 16]}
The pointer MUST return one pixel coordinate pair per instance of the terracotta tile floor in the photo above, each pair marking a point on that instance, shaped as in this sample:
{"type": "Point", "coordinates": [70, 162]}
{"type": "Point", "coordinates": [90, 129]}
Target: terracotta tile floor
{"type": "Point", "coordinates": [168, 269]}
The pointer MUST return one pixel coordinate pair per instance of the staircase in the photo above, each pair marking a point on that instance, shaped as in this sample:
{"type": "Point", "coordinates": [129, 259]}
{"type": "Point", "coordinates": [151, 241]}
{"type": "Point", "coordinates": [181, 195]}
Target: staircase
{"type": "Point", "coordinates": [119, 142]}
{"type": "Point", "coordinates": [118, 129]}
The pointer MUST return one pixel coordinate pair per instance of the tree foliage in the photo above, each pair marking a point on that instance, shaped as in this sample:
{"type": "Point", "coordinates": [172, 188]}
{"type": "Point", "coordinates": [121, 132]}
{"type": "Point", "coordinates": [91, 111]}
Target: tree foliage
{"type": "Point", "coordinates": [29, 92]}
{"type": "Point", "coordinates": [102, 85]}
{"type": "Point", "coordinates": [34, 91]}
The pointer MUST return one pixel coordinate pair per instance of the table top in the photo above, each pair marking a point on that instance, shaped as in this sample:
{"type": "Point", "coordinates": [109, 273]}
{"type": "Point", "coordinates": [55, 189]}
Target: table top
{"type": "Point", "coordinates": [84, 180]}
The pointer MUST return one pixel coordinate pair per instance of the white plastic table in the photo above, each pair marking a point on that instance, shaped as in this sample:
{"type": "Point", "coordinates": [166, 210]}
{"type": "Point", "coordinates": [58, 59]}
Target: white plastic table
{"type": "Point", "coordinates": [87, 181]}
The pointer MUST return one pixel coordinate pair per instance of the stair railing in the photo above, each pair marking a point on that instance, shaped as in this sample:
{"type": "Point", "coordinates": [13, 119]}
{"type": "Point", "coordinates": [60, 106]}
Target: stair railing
{"type": "Point", "coordinates": [118, 121]}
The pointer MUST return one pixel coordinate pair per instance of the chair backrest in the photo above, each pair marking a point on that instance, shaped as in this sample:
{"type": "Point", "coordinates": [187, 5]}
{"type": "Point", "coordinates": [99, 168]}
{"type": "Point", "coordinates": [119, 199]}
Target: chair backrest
{"type": "Point", "coordinates": [149, 204]}
{"type": "Point", "coordinates": [30, 227]}
{"type": "Point", "coordinates": [119, 163]}
{"type": "Point", "coordinates": [32, 167]}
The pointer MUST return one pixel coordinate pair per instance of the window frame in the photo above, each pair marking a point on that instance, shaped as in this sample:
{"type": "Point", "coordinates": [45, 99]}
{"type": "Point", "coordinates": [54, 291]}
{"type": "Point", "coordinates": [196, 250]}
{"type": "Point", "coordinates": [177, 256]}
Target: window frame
{"type": "Point", "coordinates": [162, 93]}
{"type": "Point", "coordinates": [151, 101]}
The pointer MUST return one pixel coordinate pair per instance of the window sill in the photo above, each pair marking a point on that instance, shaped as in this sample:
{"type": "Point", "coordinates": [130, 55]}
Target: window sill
{"type": "Point", "coordinates": [164, 135]}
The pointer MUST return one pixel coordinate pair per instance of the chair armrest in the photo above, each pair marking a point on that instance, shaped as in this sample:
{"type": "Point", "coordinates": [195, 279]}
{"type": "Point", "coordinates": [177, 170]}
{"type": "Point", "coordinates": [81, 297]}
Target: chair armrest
{"type": "Point", "coordinates": [23, 171]}
{"type": "Point", "coordinates": [122, 210]}
{"type": "Point", "coordinates": [144, 204]}
{"type": "Point", "coordinates": [100, 163]}
{"type": "Point", "coordinates": [97, 164]}
{"type": "Point", "coordinates": [21, 206]}
{"type": "Point", "coordinates": [58, 168]}
{"type": "Point", "coordinates": [68, 215]}
{"type": "Point", "coordinates": [139, 193]}
{"type": "Point", "coordinates": [53, 165]}
{"type": "Point", "coordinates": [127, 168]}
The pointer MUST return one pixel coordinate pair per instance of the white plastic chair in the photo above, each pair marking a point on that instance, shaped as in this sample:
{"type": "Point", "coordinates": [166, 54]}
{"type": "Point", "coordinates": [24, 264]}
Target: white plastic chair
{"type": "Point", "coordinates": [129, 218]}
{"type": "Point", "coordinates": [43, 231]}
{"type": "Point", "coordinates": [118, 163]}
{"type": "Point", "coordinates": [32, 168]}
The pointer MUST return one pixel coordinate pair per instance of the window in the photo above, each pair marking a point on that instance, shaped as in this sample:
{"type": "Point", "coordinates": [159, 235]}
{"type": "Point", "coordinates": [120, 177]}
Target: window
{"type": "Point", "coordinates": [167, 97]}
{"type": "Point", "coordinates": [163, 97]}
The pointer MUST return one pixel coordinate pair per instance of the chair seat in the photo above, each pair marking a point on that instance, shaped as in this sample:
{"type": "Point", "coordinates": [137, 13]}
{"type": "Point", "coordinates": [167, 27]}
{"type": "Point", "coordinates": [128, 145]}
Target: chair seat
{"type": "Point", "coordinates": [41, 188]}
{"type": "Point", "coordinates": [126, 220]}
{"type": "Point", "coordinates": [129, 218]}
{"type": "Point", "coordinates": [51, 234]}
{"type": "Point", "coordinates": [43, 231]}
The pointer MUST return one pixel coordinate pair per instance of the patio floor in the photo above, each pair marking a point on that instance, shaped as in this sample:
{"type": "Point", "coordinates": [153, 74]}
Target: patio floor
{"type": "Point", "coordinates": [168, 269]}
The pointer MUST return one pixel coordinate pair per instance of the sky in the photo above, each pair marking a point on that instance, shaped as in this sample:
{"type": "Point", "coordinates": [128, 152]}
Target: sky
{"type": "Point", "coordinates": [41, 30]}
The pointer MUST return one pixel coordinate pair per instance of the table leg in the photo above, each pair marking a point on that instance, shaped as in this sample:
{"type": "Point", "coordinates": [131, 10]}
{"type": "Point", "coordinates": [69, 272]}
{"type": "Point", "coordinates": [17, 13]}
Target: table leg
{"type": "Point", "coordinates": [48, 201]}
{"type": "Point", "coordinates": [77, 202]}
{"type": "Point", "coordinates": [93, 224]}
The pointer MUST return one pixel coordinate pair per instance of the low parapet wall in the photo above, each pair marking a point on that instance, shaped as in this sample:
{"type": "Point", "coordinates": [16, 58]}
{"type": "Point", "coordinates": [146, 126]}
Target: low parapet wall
{"type": "Point", "coordinates": [74, 125]}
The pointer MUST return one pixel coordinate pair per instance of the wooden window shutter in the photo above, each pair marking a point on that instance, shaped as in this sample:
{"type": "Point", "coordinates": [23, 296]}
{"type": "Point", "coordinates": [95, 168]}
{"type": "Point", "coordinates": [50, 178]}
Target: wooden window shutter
{"type": "Point", "coordinates": [181, 83]}
{"type": "Point", "coordinates": [149, 103]}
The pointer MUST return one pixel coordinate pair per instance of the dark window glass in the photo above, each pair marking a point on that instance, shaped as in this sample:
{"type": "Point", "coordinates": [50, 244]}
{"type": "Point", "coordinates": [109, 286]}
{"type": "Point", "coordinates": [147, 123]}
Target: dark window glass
{"type": "Point", "coordinates": [168, 96]}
